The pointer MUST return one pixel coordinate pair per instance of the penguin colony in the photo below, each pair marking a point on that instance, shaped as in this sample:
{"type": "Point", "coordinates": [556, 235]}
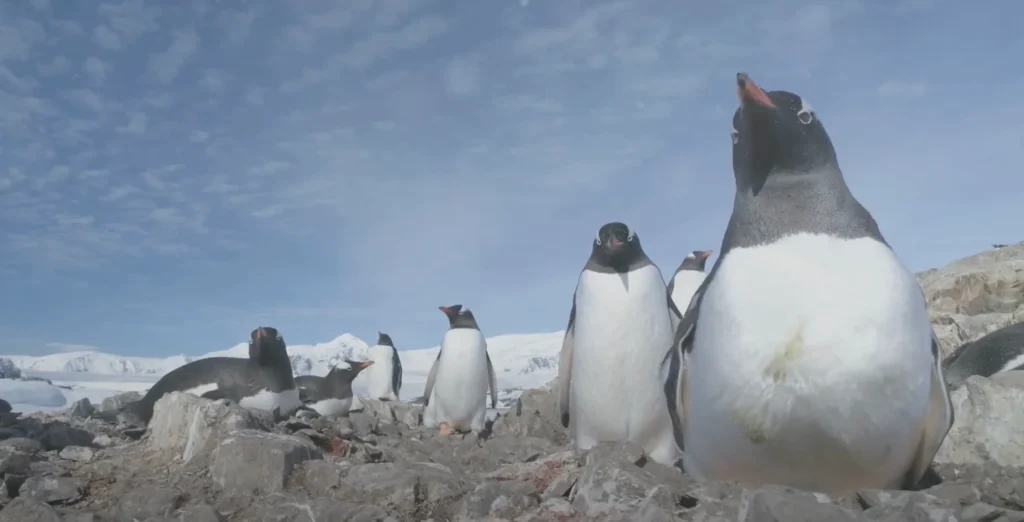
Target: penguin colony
{"type": "Point", "coordinates": [804, 357]}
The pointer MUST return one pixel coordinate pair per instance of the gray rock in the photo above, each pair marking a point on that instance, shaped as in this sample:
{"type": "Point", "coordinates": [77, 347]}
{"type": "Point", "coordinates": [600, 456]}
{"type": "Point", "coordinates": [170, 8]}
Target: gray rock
{"type": "Point", "coordinates": [535, 414]}
{"type": "Point", "coordinates": [9, 370]}
{"type": "Point", "coordinates": [77, 453]}
{"type": "Point", "coordinates": [251, 462]}
{"type": "Point", "coordinates": [188, 427]}
{"type": "Point", "coordinates": [989, 423]}
{"type": "Point", "coordinates": [82, 408]}
{"type": "Point", "coordinates": [23, 444]}
{"type": "Point", "coordinates": [29, 510]}
{"type": "Point", "coordinates": [973, 296]}
{"type": "Point", "coordinates": [782, 504]}
{"type": "Point", "coordinates": [391, 411]}
{"type": "Point", "coordinates": [498, 500]}
{"type": "Point", "coordinates": [52, 490]}
{"type": "Point", "coordinates": [116, 401]}
{"type": "Point", "coordinates": [147, 502]}
{"type": "Point", "coordinates": [617, 478]}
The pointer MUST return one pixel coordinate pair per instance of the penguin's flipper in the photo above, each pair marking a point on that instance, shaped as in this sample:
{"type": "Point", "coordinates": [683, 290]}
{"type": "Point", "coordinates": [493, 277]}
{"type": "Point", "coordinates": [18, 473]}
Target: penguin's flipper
{"type": "Point", "coordinates": [494, 382]}
{"type": "Point", "coordinates": [430, 379]}
{"type": "Point", "coordinates": [936, 424]}
{"type": "Point", "coordinates": [565, 367]}
{"type": "Point", "coordinates": [396, 371]}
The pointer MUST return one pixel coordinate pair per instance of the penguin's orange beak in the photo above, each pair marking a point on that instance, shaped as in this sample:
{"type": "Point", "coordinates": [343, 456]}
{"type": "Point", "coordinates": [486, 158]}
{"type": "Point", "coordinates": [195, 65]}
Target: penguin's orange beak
{"type": "Point", "coordinates": [705, 254]}
{"type": "Point", "coordinates": [365, 364]}
{"type": "Point", "coordinates": [260, 334]}
{"type": "Point", "coordinates": [749, 92]}
{"type": "Point", "coordinates": [444, 309]}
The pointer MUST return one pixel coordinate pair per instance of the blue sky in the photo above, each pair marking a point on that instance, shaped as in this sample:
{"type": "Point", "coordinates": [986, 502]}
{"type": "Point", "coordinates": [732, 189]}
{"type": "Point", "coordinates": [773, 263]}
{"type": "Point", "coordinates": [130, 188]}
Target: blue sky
{"type": "Point", "coordinates": [172, 176]}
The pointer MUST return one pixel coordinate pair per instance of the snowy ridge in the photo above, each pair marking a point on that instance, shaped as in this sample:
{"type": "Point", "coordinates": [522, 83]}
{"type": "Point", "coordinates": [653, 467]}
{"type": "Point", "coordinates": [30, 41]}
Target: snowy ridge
{"type": "Point", "coordinates": [520, 360]}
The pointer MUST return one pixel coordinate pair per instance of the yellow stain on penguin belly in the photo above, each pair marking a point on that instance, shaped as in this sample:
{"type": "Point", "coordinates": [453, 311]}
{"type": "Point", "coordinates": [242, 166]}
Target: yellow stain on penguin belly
{"type": "Point", "coordinates": [755, 423]}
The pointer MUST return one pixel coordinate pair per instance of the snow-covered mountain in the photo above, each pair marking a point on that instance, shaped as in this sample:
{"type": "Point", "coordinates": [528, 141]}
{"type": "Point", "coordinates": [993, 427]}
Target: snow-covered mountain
{"type": "Point", "coordinates": [520, 360]}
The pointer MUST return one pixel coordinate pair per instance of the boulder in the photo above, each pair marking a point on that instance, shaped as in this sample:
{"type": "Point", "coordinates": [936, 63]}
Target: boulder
{"type": "Point", "coordinates": [973, 296]}
{"type": "Point", "coordinates": [988, 424]}
{"type": "Point", "coordinates": [188, 426]}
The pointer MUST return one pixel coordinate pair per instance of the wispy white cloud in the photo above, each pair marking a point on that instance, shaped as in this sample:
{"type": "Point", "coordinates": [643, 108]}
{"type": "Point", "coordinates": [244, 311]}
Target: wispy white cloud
{"type": "Point", "coordinates": [70, 347]}
{"type": "Point", "coordinates": [166, 65]}
{"type": "Point", "coordinates": [407, 153]}
{"type": "Point", "coordinates": [96, 69]}
{"type": "Point", "coordinates": [106, 38]}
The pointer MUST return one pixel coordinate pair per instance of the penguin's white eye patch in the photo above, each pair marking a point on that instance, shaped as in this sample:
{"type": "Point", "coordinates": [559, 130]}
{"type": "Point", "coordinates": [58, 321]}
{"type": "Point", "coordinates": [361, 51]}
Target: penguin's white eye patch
{"type": "Point", "coordinates": [629, 236]}
{"type": "Point", "coordinates": [735, 136]}
{"type": "Point", "coordinates": [690, 256]}
{"type": "Point", "coordinates": [597, 238]}
{"type": "Point", "coordinates": [806, 112]}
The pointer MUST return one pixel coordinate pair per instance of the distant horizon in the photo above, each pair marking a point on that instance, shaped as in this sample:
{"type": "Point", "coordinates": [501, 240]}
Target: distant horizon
{"type": "Point", "coordinates": [373, 337]}
{"type": "Point", "coordinates": [289, 344]}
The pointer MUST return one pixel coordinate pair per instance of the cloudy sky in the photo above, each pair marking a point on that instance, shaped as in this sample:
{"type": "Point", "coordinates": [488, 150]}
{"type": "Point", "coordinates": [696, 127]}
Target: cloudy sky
{"type": "Point", "coordinates": [173, 176]}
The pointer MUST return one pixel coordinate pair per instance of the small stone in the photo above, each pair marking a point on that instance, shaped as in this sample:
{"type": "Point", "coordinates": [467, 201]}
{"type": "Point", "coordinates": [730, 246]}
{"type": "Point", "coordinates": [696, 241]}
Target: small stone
{"type": "Point", "coordinates": [82, 408]}
{"type": "Point", "coordinates": [76, 453]}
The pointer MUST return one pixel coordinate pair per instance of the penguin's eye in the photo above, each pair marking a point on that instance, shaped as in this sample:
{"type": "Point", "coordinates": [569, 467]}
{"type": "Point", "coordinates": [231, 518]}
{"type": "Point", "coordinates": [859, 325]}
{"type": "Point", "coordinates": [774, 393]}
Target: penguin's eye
{"type": "Point", "coordinates": [735, 136]}
{"type": "Point", "coordinates": [279, 338]}
{"type": "Point", "coordinates": [806, 112]}
{"type": "Point", "coordinates": [629, 236]}
{"type": "Point", "coordinates": [597, 240]}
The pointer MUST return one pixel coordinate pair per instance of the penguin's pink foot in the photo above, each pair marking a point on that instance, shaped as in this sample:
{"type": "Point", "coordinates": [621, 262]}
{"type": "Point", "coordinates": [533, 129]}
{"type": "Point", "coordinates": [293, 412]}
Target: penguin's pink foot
{"type": "Point", "coordinates": [444, 429]}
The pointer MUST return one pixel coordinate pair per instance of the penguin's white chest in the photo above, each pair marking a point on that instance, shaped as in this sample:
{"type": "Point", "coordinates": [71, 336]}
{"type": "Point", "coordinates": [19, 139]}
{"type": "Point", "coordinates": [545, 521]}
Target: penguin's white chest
{"type": "Point", "coordinates": [621, 331]}
{"type": "Point", "coordinates": [287, 401]}
{"type": "Point", "coordinates": [332, 407]}
{"type": "Point", "coordinates": [460, 385]}
{"type": "Point", "coordinates": [378, 376]}
{"type": "Point", "coordinates": [811, 366]}
{"type": "Point", "coordinates": [684, 285]}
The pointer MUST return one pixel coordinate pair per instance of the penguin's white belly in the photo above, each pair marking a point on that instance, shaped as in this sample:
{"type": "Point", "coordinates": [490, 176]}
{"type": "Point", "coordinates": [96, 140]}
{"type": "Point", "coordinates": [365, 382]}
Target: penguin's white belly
{"type": "Point", "coordinates": [378, 376]}
{"type": "Point", "coordinates": [287, 401]}
{"type": "Point", "coordinates": [459, 396]}
{"type": "Point", "coordinates": [621, 332]}
{"type": "Point", "coordinates": [811, 366]}
{"type": "Point", "coordinates": [332, 407]}
{"type": "Point", "coordinates": [684, 285]}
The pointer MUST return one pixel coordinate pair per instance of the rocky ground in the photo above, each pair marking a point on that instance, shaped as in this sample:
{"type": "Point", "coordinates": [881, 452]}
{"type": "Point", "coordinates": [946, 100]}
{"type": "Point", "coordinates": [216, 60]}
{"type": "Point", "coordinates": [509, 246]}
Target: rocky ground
{"type": "Point", "coordinates": [207, 461]}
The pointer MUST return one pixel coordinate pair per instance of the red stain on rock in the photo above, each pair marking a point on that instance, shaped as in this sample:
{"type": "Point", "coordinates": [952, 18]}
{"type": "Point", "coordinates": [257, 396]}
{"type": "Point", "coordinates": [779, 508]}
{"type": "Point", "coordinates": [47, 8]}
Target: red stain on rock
{"type": "Point", "coordinates": [339, 447]}
{"type": "Point", "coordinates": [543, 476]}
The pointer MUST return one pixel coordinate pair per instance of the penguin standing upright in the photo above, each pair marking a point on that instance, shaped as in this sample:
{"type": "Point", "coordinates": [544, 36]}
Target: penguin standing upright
{"type": "Point", "coordinates": [806, 358]}
{"type": "Point", "coordinates": [688, 277]}
{"type": "Point", "coordinates": [384, 379]}
{"type": "Point", "coordinates": [621, 321]}
{"type": "Point", "coordinates": [456, 389]}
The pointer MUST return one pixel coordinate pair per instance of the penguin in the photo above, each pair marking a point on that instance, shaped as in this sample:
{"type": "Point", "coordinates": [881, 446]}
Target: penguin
{"type": "Point", "coordinates": [999, 351]}
{"type": "Point", "coordinates": [806, 357]}
{"type": "Point", "coordinates": [455, 396]}
{"type": "Point", "coordinates": [688, 277]}
{"type": "Point", "coordinates": [385, 378]}
{"type": "Point", "coordinates": [264, 381]}
{"type": "Point", "coordinates": [5, 407]}
{"type": "Point", "coordinates": [622, 319]}
{"type": "Point", "coordinates": [330, 395]}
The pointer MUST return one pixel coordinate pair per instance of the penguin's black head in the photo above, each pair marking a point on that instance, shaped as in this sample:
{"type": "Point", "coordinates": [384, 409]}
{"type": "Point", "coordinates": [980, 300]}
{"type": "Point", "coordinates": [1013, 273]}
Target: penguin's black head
{"type": "Point", "coordinates": [776, 132]}
{"type": "Point", "coordinates": [266, 346]}
{"type": "Point", "coordinates": [616, 246]}
{"type": "Point", "coordinates": [695, 260]}
{"type": "Point", "coordinates": [459, 316]}
{"type": "Point", "coordinates": [384, 339]}
{"type": "Point", "coordinates": [349, 373]}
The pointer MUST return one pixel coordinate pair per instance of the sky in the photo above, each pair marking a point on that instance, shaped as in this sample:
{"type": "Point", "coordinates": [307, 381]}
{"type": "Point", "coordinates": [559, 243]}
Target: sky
{"type": "Point", "coordinates": [174, 174]}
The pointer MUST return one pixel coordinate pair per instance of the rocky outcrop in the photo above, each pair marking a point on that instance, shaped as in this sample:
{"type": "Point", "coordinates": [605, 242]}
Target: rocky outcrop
{"type": "Point", "coordinates": [211, 461]}
{"type": "Point", "coordinates": [973, 296]}
{"type": "Point", "coordinates": [9, 370]}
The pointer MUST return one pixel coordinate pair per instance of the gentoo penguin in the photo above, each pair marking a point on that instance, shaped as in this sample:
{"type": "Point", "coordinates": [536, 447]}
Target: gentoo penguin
{"type": "Point", "coordinates": [621, 321]}
{"type": "Point", "coordinates": [806, 358]}
{"type": "Point", "coordinates": [998, 351]}
{"type": "Point", "coordinates": [330, 395]}
{"type": "Point", "coordinates": [385, 378]}
{"type": "Point", "coordinates": [264, 381]}
{"type": "Point", "coordinates": [688, 277]}
{"type": "Point", "coordinates": [456, 390]}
